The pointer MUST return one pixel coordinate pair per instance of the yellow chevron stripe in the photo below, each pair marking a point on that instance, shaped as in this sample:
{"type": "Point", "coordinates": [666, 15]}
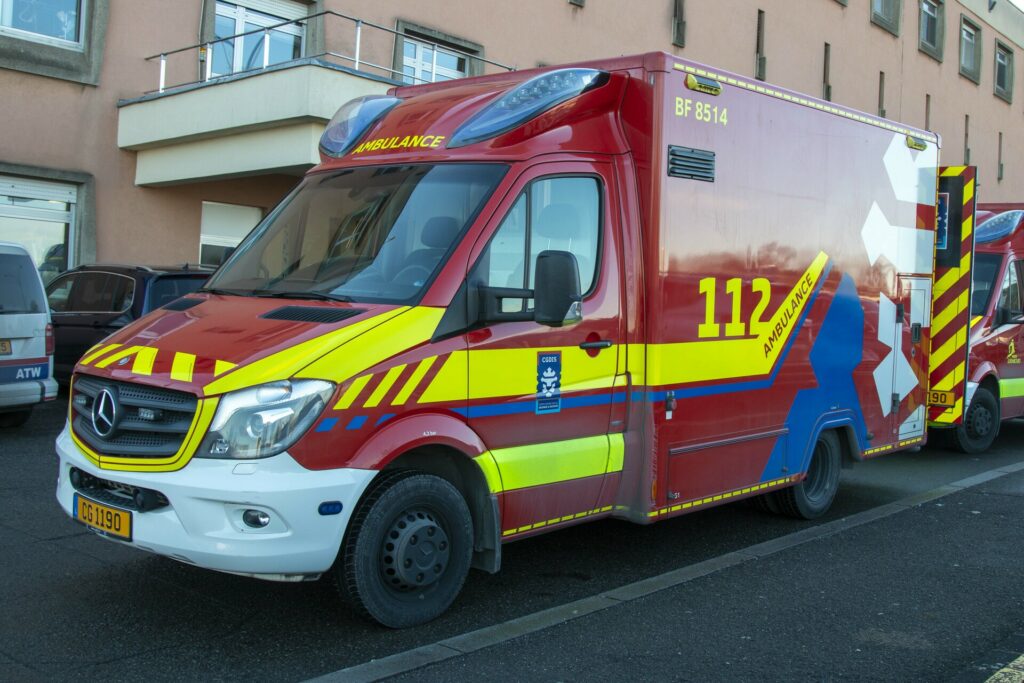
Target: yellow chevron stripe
{"type": "Point", "coordinates": [968, 191]}
{"type": "Point", "coordinates": [182, 366]}
{"type": "Point", "coordinates": [952, 379]}
{"type": "Point", "coordinates": [951, 415]}
{"type": "Point", "coordinates": [414, 381]}
{"type": "Point", "coordinates": [221, 366]}
{"type": "Point", "coordinates": [123, 353]}
{"type": "Point", "coordinates": [951, 276]}
{"type": "Point", "coordinates": [144, 359]}
{"type": "Point", "coordinates": [948, 314]}
{"type": "Point", "coordinates": [382, 389]}
{"type": "Point", "coordinates": [940, 355]}
{"type": "Point", "coordinates": [350, 395]}
{"type": "Point", "coordinates": [966, 227]}
{"type": "Point", "coordinates": [953, 171]}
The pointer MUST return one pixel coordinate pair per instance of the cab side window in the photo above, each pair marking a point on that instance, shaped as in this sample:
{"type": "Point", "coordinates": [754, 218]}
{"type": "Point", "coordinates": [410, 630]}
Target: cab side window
{"type": "Point", "coordinates": [1009, 296]}
{"type": "Point", "coordinates": [551, 214]}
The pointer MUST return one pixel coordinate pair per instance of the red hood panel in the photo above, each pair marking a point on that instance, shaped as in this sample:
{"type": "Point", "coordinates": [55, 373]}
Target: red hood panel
{"type": "Point", "coordinates": [187, 349]}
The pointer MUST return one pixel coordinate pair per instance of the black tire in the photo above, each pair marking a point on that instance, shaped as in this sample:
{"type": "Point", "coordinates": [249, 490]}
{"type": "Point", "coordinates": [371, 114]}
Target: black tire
{"type": "Point", "coordinates": [812, 497]}
{"type": "Point", "coordinates": [15, 419]}
{"type": "Point", "coordinates": [766, 502]}
{"type": "Point", "coordinates": [981, 423]}
{"type": "Point", "coordinates": [377, 572]}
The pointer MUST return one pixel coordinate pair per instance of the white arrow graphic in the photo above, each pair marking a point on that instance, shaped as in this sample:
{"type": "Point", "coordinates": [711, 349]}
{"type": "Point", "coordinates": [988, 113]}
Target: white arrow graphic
{"type": "Point", "coordinates": [894, 375]}
{"type": "Point", "coordinates": [912, 174]}
{"type": "Point", "coordinates": [909, 249]}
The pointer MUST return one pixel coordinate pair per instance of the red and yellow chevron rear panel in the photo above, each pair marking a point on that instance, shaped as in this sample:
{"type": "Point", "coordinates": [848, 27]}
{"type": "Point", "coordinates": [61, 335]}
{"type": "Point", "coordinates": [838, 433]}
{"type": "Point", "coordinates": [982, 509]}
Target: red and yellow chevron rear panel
{"type": "Point", "coordinates": [951, 295]}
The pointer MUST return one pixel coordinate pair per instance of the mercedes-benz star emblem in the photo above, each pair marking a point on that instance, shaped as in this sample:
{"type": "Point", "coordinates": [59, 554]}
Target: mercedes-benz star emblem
{"type": "Point", "coordinates": [104, 413]}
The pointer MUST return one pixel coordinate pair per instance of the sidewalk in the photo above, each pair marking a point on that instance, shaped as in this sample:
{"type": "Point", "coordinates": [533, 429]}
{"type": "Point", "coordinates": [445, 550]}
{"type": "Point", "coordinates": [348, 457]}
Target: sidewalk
{"type": "Point", "coordinates": [922, 594]}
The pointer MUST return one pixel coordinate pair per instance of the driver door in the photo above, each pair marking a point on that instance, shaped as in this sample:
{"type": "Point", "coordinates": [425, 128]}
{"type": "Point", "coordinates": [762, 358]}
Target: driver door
{"type": "Point", "coordinates": [540, 397]}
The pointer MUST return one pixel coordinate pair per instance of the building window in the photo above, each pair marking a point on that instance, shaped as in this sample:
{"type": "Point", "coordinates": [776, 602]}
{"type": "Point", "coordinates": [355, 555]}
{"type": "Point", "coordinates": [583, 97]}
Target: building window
{"type": "Point", "coordinates": [760, 60]}
{"type": "Point", "coordinates": [416, 61]}
{"type": "Point", "coordinates": [247, 52]}
{"type": "Point", "coordinates": [426, 63]}
{"type": "Point", "coordinates": [222, 228]}
{"type": "Point", "coordinates": [1004, 72]}
{"type": "Point", "coordinates": [932, 28]}
{"type": "Point", "coordinates": [40, 216]}
{"type": "Point", "coordinates": [970, 50]}
{"type": "Point", "coordinates": [886, 13]}
{"type": "Point", "coordinates": [881, 94]}
{"type": "Point", "coordinates": [826, 79]}
{"type": "Point", "coordinates": [56, 22]}
{"type": "Point", "coordinates": [678, 23]}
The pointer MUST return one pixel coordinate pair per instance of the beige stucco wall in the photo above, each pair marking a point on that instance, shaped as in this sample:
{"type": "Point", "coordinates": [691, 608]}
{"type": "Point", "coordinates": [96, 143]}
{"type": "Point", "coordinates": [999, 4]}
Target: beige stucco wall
{"type": "Point", "coordinates": [67, 126]}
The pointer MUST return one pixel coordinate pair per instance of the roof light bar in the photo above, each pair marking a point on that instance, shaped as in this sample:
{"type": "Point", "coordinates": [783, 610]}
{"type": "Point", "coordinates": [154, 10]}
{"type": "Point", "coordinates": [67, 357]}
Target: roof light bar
{"type": "Point", "coordinates": [526, 101]}
{"type": "Point", "coordinates": [352, 121]}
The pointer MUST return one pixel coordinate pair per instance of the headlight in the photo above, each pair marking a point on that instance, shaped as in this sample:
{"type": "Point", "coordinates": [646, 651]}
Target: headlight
{"type": "Point", "coordinates": [264, 420]}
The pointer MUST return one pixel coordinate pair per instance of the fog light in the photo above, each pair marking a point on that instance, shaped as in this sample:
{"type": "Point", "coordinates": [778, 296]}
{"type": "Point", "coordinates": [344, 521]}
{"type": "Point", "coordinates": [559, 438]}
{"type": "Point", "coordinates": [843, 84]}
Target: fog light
{"type": "Point", "coordinates": [257, 519]}
{"type": "Point", "coordinates": [76, 478]}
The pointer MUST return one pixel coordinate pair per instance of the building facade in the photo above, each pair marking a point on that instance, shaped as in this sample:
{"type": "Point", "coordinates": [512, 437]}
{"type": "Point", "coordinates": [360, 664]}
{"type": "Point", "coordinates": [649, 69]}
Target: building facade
{"type": "Point", "coordinates": [152, 131]}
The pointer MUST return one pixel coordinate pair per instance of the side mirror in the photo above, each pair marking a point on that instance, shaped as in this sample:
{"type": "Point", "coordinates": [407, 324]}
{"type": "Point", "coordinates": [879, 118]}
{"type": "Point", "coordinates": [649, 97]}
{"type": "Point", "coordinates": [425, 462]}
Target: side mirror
{"type": "Point", "coordinates": [556, 292]}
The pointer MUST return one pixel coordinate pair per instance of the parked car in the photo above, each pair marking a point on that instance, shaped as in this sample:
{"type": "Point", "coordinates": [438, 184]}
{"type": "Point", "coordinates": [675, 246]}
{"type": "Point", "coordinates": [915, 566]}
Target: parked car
{"type": "Point", "coordinates": [89, 303]}
{"type": "Point", "coordinates": [26, 338]}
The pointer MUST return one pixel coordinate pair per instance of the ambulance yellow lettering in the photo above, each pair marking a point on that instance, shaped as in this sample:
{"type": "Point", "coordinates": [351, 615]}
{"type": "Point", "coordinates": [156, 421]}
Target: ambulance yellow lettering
{"type": "Point", "coordinates": [400, 142]}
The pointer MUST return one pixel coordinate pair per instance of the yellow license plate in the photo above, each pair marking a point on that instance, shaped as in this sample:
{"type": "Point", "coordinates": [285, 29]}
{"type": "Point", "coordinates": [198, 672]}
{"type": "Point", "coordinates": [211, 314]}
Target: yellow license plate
{"type": "Point", "coordinates": [5, 347]}
{"type": "Point", "coordinates": [941, 398]}
{"type": "Point", "coordinates": [102, 518]}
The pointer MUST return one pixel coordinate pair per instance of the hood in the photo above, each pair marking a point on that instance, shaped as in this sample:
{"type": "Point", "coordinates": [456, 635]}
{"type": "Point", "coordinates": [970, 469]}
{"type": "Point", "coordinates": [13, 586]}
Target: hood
{"type": "Point", "coordinates": [222, 343]}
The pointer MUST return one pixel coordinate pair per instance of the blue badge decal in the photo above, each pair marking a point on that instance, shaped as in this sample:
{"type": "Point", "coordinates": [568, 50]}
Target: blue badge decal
{"type": "Point", "coordinates": [942, 224]}
{"type": "Point", "coordinates": [549, 382]}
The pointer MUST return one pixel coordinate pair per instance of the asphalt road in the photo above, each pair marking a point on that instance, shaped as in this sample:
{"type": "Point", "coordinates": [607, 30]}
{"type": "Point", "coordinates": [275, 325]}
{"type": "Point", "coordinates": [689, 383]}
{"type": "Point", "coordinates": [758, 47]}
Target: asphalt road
{"type": "Point", "coordinates": [73, 605]}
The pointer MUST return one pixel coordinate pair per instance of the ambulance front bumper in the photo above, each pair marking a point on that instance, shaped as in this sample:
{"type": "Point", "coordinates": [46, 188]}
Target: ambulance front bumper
{"type": "Point", "coordinates": [202, 524]}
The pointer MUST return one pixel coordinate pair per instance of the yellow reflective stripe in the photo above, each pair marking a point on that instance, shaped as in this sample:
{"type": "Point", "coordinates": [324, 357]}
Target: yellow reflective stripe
{"type": "Point", "coordinates": [701, 361]}
{"type": "Point", "coordinates": [513, 372]}
{"type": "Point", "coordinates": [549, 463]}
{"type": "Point", "coordinates": [100, 349]}
{"type": "Point", "coordinates": [490, 469]}
{"type": "Point", "coordinates": [414, 381]}
{"type": "Point", "coordinates": [1011, 388]}
{"type": "Point", "coordinates": [952, 379]}
{"type": "Point", "coordinates": [221, 366]}
{"type": "Point", "coordinates": [123, 353]}
{"type": "Point", "coordinates": [966, 227]}
{"type": "Point", "coordinates": [449, 384]}
{"type": "Point", "coordinates": [950, 415]}
{"type": "Point", "coordinates": [941, 354]}
{"type": "Point", "coordinates": [947, 315]}
{"type": "Point", "coordinates": [382, 389]}
{"type": "Point", "coordinates": [375, 345]}
{"type": "Point", "coordinates": [144, 359]}
{"type": "Point", "coordinates": [952, 276]}
{"type": "Point", "coordinates": [968, 191]}
{"type": "Point", "coordinates": [182, 366]}
{"type": "Point", "coordinates": [953, 170]}
{"type": "Point", "coordinates": [616, 453]}
{"type": "Point", "coordinates": [286, 363]}
{"type": "Point", "coordinates": [350, 395]}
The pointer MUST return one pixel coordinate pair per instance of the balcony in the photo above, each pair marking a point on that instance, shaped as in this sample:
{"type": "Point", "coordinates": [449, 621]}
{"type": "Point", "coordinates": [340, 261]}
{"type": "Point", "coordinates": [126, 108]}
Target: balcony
{"type": "Point", "coordinates": [268, 118]}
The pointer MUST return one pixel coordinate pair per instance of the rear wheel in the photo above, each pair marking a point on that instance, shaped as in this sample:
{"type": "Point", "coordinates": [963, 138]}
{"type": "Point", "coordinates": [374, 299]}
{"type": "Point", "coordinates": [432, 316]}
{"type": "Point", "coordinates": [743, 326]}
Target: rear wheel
{"type": "Point", "coordinates": [407, 550]}
{"type": "Point", "coordinates": [16, 418]}
{"type": "Point", "coordinates": [981, 423]}
{"type": "Point", "coordinates": [813, 496]}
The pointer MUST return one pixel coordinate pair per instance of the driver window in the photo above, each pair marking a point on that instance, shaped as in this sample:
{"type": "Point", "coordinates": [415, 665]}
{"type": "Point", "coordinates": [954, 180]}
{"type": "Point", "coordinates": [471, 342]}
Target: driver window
{"type": "Point", "coordinates": [553, 213]}
{"type": "Point", "coordinates": [1009, 297]}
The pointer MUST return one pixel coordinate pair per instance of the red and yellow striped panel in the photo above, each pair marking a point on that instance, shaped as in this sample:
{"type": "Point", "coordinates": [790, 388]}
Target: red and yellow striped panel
{"type": "Point", "coordinates": [951, 300]}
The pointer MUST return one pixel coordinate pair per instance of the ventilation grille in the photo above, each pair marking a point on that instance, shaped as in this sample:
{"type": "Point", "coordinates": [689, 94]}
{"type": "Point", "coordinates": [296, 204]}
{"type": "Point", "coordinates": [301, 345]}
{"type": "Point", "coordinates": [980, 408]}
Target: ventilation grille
{"type": "Point", "coordinates": [182, 304]}
{"type": "Point", "coordinates": [311, 314]}
{"type": "Point", "coordinates": [698, 164]}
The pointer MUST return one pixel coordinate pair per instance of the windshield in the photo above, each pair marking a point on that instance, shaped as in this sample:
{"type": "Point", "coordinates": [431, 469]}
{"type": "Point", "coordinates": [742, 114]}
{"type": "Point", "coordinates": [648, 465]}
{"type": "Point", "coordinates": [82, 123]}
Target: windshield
{"type": "Point", "coordinates": [986, 270]}
{"type": "Point", "coordinates": [374, 234]}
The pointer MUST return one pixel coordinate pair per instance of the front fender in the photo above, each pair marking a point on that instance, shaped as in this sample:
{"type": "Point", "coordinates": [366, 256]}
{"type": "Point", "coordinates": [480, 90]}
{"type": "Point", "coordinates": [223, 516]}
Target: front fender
{"type": "Point", "coordinates": [408, 433]}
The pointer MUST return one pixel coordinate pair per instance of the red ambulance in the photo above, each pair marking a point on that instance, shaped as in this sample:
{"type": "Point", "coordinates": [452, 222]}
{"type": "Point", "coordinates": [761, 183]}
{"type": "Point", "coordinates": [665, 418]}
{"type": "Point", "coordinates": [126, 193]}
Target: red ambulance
{"type": "Point", "coordinates": [500, 306]}
{"type": "Point", "coordinates": [995, 388]}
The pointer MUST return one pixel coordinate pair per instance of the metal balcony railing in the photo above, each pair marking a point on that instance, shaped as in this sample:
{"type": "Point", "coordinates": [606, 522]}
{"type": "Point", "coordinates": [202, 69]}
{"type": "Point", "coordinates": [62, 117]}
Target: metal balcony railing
{"type": "Point", "coordinates": [348, 48]}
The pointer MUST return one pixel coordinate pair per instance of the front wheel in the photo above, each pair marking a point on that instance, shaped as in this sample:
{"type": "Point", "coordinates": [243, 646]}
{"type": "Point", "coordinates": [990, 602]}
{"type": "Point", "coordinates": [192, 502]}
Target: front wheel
{"type": "Point", "coordinates": [812, 497]}
{"type": "Point", "coordinates": [407, 551]}
{"type": "Point", "coordinates": [981, 423]}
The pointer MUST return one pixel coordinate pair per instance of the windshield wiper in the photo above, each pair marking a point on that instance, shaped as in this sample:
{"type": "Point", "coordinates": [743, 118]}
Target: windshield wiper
{"type": "Point", "coordinates": [312, 295]}
{"type": "Point", "coordinates": [226, 292]}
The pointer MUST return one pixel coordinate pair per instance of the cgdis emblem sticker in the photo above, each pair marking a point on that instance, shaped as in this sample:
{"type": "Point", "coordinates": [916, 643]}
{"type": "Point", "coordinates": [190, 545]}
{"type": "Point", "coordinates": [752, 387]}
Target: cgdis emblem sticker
{"type": "Point", "coordinates": [1011, 354]}
{"type": "Point", "coordinates": [549, 382]}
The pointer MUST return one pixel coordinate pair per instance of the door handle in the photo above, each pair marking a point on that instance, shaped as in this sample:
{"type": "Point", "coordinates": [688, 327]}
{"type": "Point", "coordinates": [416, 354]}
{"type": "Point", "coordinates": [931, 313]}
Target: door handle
{"type": "Point", "coordinates": [599, 344]}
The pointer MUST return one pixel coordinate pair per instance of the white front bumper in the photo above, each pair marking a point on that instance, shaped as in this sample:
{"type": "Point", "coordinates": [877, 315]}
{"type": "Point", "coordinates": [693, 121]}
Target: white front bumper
{"type": "Point", "coordinates": [203, 523]}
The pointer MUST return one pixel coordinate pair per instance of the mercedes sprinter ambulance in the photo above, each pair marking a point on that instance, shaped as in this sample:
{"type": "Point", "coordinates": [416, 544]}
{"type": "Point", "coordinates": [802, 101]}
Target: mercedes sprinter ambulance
{"type": "Point", "coordinates": [504, 305]}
